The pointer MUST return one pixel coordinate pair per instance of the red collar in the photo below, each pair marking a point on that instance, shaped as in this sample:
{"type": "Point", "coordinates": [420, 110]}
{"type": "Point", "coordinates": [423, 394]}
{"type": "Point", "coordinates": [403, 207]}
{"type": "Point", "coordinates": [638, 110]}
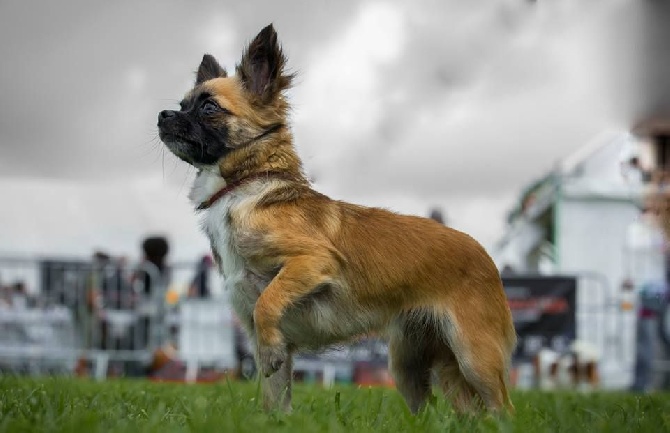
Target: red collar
{"type": "Point", "coordinates": [231, 186]}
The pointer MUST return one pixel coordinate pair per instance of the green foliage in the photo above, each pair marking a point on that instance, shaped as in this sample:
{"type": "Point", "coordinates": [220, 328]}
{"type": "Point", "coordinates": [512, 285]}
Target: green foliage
{"type": "Point", "coordinates": [70, 405]}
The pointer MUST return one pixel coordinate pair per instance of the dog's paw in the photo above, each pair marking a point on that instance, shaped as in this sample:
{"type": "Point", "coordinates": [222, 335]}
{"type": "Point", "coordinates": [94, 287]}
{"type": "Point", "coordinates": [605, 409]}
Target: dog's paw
{"type": "Point", "coordinates": [271, 358]}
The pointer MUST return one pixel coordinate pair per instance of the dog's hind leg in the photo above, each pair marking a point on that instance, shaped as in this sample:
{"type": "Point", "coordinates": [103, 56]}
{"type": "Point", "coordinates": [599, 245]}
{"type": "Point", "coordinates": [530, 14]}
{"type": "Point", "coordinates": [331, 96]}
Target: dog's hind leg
{"type": "Point", "coordinates": [411, 357]}
{"type": "Point", "coordinates": [461, 395]}
{"type": "Point", "coordinates": [481, 352]}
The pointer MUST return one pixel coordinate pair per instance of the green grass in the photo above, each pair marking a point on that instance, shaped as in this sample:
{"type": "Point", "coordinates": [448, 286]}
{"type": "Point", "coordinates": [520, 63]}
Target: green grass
{"type": "Point", "coordinates": [70, 405]}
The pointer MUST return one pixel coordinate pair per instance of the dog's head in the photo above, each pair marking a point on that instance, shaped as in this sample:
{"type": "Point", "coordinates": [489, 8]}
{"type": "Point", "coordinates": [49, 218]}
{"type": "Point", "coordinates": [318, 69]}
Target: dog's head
{"type": "Point", "coordinates": [222, 114]}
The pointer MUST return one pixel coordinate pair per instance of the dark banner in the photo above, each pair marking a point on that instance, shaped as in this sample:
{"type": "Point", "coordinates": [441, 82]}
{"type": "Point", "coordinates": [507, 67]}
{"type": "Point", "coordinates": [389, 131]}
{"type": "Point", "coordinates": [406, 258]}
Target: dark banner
{"type": "Point", "coordinates": [543, 309]}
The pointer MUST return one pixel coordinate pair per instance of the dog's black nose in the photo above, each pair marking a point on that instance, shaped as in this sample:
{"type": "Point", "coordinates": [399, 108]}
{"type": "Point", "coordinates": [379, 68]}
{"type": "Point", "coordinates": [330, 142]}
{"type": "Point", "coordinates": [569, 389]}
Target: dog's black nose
{"type": "Point", "coordinates": [165, 114]}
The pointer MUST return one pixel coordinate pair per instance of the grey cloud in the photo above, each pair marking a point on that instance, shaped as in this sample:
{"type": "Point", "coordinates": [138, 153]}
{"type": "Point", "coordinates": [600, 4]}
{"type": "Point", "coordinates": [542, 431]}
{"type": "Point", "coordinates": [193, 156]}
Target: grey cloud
{"type": "Point", "coordinates": [67, 107]}
{"type": "Point", "coordinates": [482, 97]}
{"type": "Point", "coordinates": [529, 78]}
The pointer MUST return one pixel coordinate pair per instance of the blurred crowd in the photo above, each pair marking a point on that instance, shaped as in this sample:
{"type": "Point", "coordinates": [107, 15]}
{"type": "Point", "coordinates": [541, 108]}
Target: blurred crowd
{"type": "Point", "coordinates": [114, 305]}
{"type": "Point", "coordinates": [113, 289]}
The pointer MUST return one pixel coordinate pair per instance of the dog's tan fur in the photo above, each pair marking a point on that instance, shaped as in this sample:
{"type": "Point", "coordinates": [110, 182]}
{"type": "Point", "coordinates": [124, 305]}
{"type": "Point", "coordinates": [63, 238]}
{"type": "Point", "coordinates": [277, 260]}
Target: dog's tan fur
{"type": "Point", "coordinates": [307, 271]}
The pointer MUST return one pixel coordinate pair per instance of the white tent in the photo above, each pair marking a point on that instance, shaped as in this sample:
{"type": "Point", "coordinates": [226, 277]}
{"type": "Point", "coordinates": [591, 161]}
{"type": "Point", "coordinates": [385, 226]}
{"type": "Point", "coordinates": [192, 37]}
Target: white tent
{"type": "Point", "coordinates": [54, 218]}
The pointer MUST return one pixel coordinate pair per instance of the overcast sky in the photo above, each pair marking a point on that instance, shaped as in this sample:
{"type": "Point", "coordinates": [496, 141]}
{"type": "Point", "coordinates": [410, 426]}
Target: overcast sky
{"type": "Point", "coordinates": [406, 105]}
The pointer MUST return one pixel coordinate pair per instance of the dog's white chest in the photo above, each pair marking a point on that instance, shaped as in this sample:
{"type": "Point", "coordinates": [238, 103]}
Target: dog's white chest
{"type": "Point", "coordinates": [218, 225]}
{"type": "Point", "coordinates": [243, 291]}
{"type": "Point", "coordinates": [216, 222]}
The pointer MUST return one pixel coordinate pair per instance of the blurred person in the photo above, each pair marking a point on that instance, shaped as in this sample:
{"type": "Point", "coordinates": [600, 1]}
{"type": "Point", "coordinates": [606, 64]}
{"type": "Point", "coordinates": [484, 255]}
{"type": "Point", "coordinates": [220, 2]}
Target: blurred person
{"type": "Point", "coordinates": [150, 281]}
{"type": "Point", "coordinates": [5, 296]}
{"type": "Point", "coordinates": [507, 270]}
{"type": "Point", "coordinates": [199, 287]}
{"type": "Point", "coordinates": [630, 164]}
{"type": "Point", "coordinates": [115, 294]}
{"type": "Point", "coordinates": [94, 301]}
{"type": "Point", "coordinates": [127, 296]}
{"type": "Point", "coordinates": [153, 269]}
{"type": "Point", "coordinates": [115, 284]}
{"type": "Point", "coordinates": [634, 173]}
{"type": "Point", "coordinates": [120, 328]}
{"type": "Point", "coordinates": [436, 215]}
{"type": "Point", "coordinates": [19, 295]}
{"type": "Point", "coordinates": [646, 245]}
{"type": "Point", "coordinates": [89, 313]}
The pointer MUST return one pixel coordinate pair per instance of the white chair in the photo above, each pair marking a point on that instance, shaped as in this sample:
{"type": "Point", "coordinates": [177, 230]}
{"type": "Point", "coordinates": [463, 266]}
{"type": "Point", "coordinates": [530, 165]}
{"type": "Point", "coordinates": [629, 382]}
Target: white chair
{"type": "Point", "coordinates": [206, 335]}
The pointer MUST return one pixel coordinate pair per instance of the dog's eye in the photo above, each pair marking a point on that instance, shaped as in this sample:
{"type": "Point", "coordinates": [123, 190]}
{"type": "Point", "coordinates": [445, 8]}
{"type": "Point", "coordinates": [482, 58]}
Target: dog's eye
{"type": "Point", "coordinates": [208, 107]}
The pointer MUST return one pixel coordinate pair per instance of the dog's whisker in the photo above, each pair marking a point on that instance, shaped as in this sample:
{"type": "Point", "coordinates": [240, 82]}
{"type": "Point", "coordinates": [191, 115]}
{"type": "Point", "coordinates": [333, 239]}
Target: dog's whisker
{"type": "Point", "coordinates": [163, 163]}
{"type": "Point", "coordinates": [185, 178]}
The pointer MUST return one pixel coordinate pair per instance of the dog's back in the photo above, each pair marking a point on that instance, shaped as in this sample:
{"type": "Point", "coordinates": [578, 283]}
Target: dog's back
{"type": "Point", "coordinates": [434, 290]}
{"type": "Point", "coordinates": [445, 298]}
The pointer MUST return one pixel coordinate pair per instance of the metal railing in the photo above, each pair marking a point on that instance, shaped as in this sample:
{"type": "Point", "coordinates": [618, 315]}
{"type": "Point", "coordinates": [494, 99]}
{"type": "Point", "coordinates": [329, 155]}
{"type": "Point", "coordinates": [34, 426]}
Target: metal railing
{"type": "Point", "coordinates": [109, 317]}
{"type": "Point", "coordinates": [57, 315]}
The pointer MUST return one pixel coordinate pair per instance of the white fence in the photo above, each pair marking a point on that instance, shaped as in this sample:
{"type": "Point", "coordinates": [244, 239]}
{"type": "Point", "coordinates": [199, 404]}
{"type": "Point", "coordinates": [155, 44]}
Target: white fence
{"type": "Point", "coordinates": [111, 319]}
{"type": "Point", "coordinates": [78, 312]}
{"type": "Point", "coordinates": [58, 314]}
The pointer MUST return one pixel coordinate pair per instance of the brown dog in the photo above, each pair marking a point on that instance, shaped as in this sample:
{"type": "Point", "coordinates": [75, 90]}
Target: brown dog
{"type": "Point", "coordinates": [306, 271]}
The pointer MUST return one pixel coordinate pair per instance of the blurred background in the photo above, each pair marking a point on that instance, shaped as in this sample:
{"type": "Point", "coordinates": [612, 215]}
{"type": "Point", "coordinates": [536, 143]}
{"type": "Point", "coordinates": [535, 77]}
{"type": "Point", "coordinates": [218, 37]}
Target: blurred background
{"type": "Point", "coordinates": [541, 128]}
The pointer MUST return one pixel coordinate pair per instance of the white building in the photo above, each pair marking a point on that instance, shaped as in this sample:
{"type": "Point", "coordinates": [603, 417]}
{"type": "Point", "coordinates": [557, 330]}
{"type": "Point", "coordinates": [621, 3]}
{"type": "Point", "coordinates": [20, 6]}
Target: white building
{"type": "Point", "coordinates": [574, 221]}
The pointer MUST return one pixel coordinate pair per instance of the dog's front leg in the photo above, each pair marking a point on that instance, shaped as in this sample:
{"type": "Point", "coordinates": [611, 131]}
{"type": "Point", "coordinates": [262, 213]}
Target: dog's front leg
{"type": "Point", "coordinates": [277, 388]}
{"type": "Point", "coordinates": [298, 277]}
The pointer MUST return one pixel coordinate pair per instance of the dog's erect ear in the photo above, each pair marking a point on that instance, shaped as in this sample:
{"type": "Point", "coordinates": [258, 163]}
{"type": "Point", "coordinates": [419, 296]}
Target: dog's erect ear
{"type": "Point", "coordinates": [262, 66]}
{"type": "Point", "coordinates": [209, 68]}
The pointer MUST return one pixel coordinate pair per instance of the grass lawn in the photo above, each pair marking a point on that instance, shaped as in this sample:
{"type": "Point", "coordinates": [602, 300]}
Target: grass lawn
{"type": "Point", "coordinates": [60, 405]}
